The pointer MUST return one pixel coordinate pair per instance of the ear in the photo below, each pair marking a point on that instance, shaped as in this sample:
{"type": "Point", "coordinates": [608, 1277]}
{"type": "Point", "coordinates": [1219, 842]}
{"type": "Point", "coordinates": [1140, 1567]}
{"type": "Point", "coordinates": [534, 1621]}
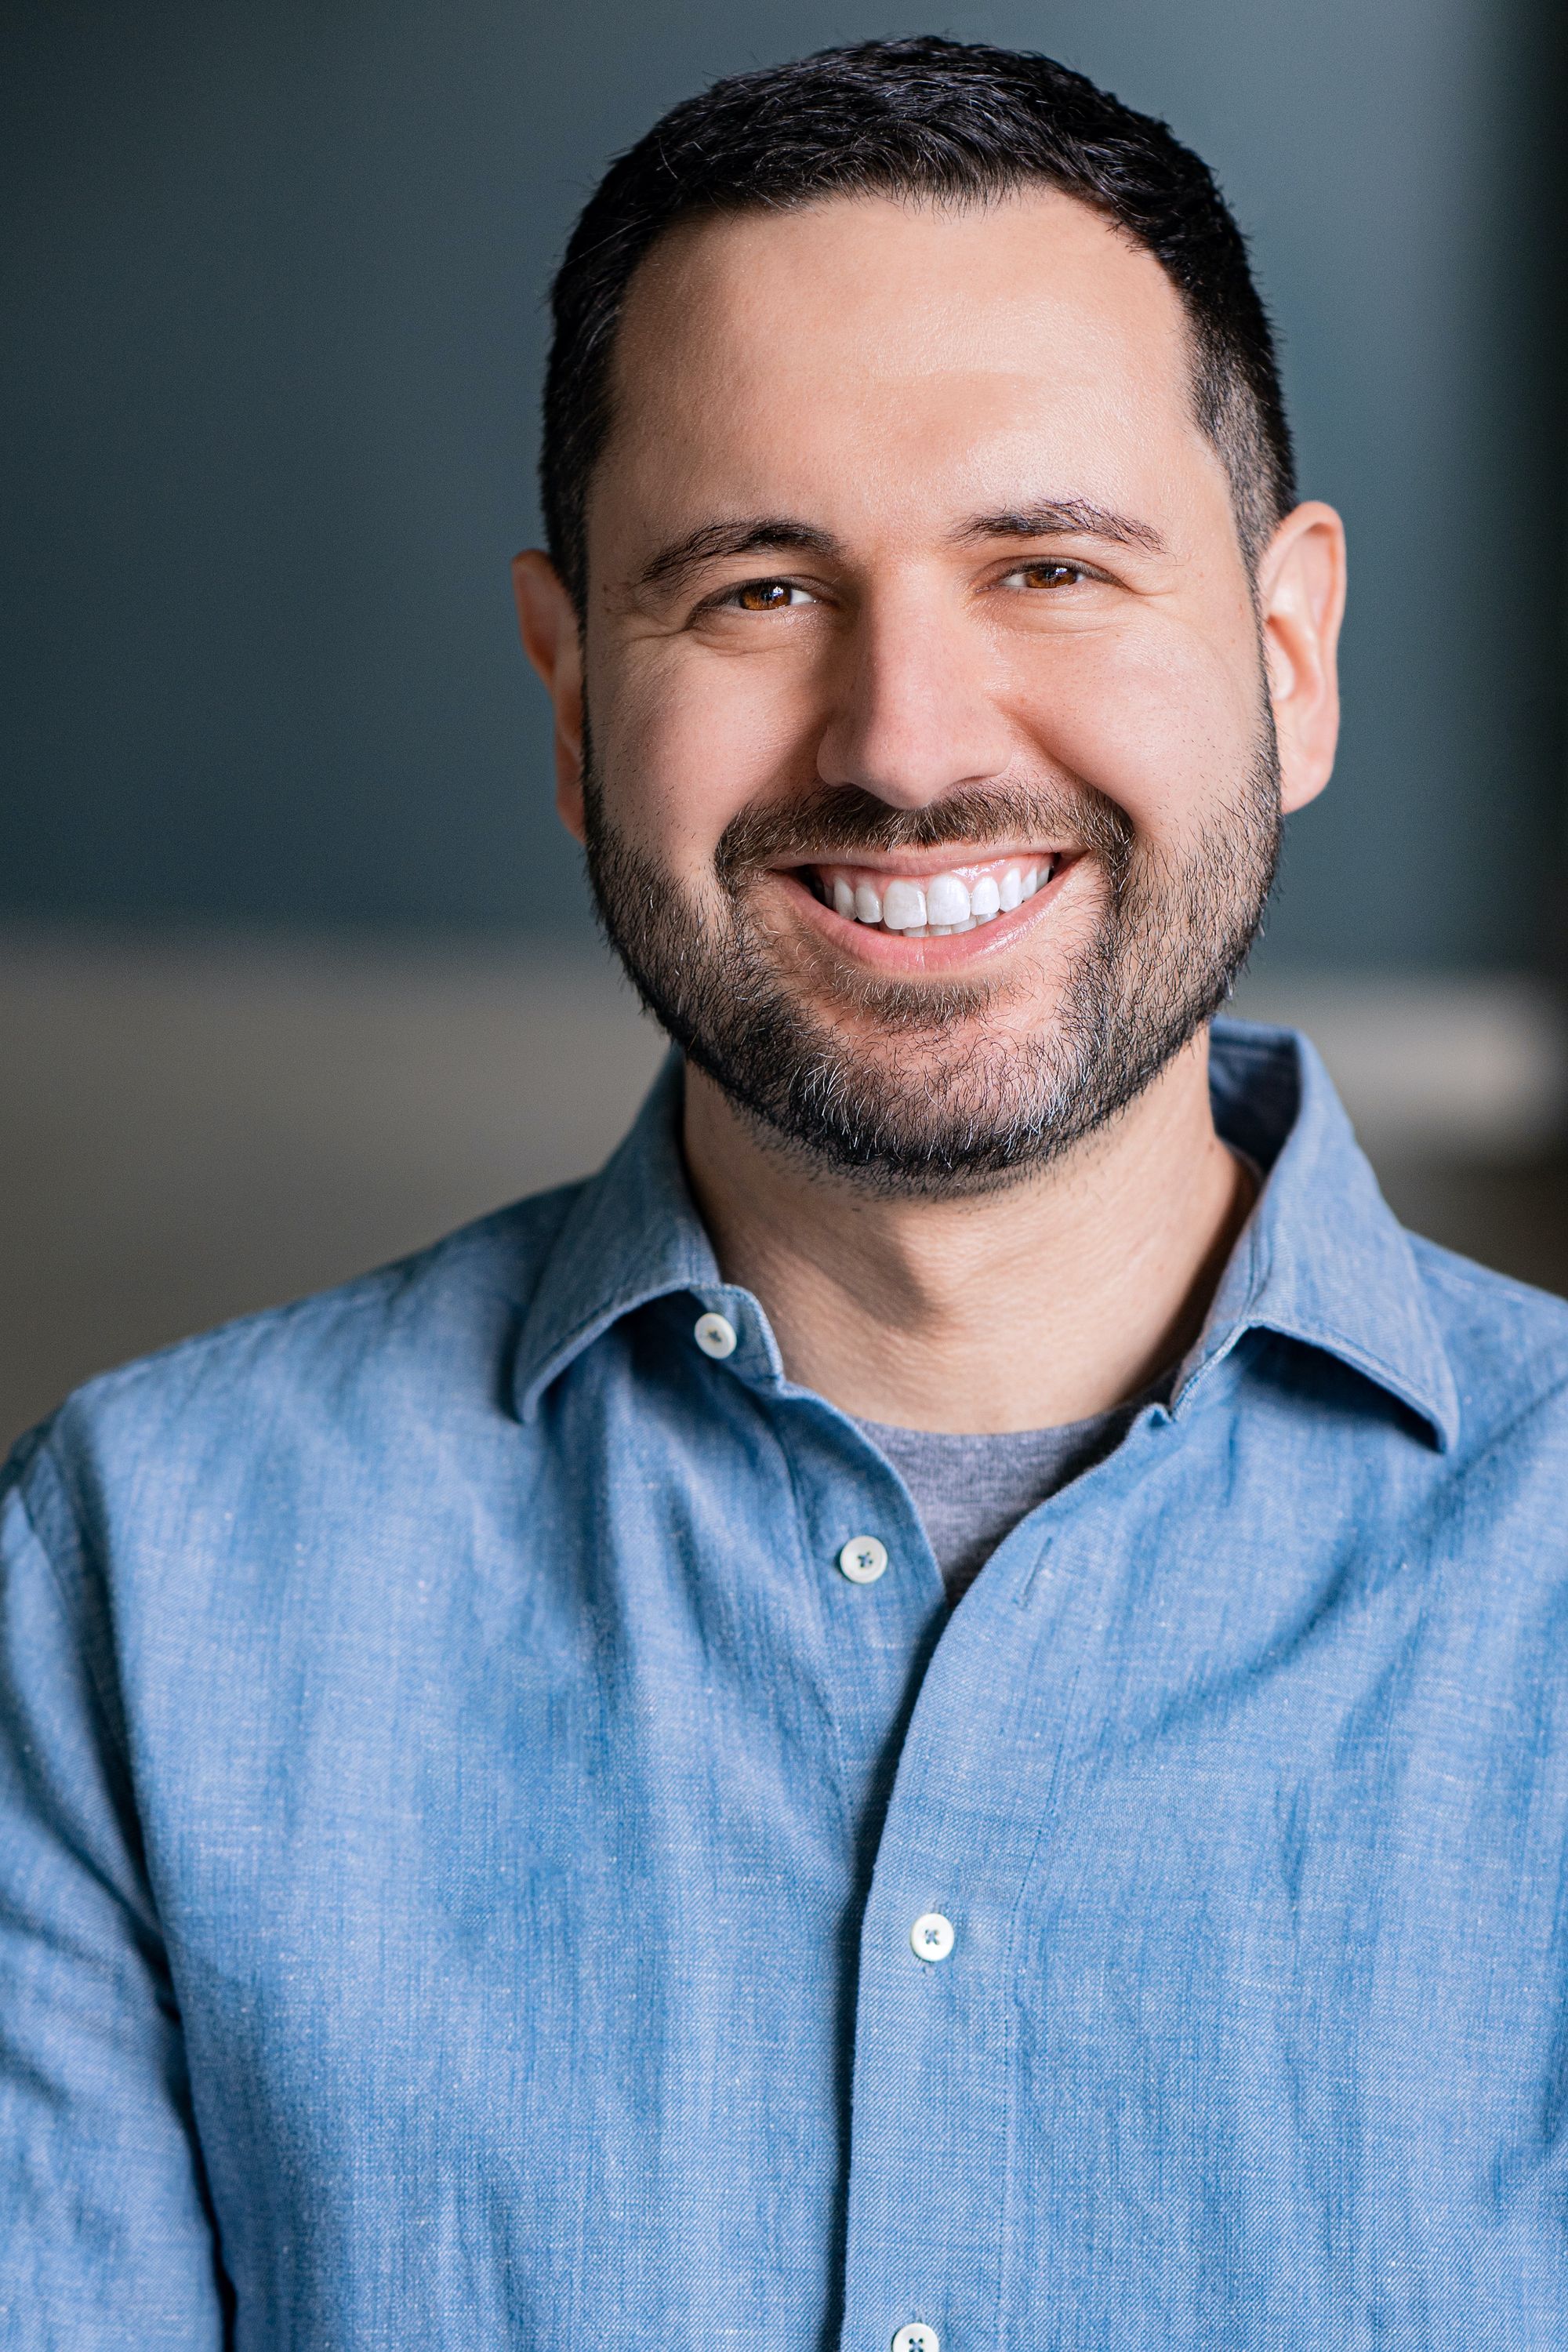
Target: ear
{"type": "Point", "coordinates": [1301, 603]}
{"type": "Point", "coordinates": [552, 642]}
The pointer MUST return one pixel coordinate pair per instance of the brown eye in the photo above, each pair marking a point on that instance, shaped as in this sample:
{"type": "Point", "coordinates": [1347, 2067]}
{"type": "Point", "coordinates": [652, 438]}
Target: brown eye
{"type": "Point", "coordinates": [1049, 575]}
{"type": "Point", "coordinates": [763, 595]}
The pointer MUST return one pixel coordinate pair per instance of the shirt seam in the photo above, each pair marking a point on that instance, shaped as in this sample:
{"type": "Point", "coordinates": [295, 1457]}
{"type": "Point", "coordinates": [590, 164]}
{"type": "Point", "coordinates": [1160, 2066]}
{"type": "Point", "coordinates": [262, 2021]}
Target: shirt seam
{"type": "Point", "coordinates": [108, 1709]}
{"type": "Point", "coordinates": [71, 1601]}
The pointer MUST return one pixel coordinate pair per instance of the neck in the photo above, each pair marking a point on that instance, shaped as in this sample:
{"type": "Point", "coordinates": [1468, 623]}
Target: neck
{"type": "Point", "coordinates": [1059, 1297]}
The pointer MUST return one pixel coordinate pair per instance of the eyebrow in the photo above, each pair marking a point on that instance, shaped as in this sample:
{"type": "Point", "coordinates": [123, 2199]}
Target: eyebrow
{"type": "Point", "coordinates": [1063, 519]}
{"type": "Point", "coordinates": [673, 564]}
{"type": "Point", "coordinates": [750, 535]}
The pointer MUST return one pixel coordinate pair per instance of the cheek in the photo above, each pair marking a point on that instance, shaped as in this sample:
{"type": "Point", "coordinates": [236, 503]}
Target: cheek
{"type": "Point", "coordinates": [686, 741]}
{"type": "Point", "coordinates": [1163, 728]}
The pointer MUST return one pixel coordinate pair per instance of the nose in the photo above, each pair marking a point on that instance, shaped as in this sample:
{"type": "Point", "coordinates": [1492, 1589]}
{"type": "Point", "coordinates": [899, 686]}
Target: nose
{"type": "Point", "coordinates": [914, 718]}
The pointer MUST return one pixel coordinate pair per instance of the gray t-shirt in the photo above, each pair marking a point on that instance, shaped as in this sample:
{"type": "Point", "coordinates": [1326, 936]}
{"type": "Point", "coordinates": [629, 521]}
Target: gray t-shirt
{"type": "Point", "coordinates": [972, 1491]}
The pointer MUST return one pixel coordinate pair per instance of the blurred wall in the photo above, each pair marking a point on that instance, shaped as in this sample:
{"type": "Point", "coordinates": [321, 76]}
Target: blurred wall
{"type": "Point", "coordinates": [273, 280]}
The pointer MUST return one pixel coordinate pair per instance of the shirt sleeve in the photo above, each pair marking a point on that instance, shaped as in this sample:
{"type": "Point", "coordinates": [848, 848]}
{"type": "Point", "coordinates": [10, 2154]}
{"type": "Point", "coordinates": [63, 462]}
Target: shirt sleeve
{"type": "Point", "coordinates": [107, 2237]}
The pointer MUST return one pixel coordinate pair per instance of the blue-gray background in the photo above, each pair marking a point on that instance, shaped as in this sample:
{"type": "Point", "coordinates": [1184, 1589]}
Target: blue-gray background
{"type": "Point", "coordinates": [274, 329]}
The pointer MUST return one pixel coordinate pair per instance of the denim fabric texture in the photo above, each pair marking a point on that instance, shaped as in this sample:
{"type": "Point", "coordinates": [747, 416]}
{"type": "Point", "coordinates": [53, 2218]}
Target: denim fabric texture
{"type": "Point", "coordinates": [461, 1832]}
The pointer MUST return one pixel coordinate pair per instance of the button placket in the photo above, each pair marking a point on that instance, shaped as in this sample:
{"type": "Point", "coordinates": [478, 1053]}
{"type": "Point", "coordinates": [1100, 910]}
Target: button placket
{"type": "Point", "coordinates": [932, 2085]}
{"type": "Point", "coordinates": [874, 1638]}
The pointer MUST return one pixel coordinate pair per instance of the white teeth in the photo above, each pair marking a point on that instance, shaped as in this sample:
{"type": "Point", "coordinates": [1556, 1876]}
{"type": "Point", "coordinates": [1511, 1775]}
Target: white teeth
{"type": "Point", "coordinates": [904, 907]}
{"type": "Point", "coordinates": [947, 900]}
{"type": "Point", "coordinates": [940, 906]}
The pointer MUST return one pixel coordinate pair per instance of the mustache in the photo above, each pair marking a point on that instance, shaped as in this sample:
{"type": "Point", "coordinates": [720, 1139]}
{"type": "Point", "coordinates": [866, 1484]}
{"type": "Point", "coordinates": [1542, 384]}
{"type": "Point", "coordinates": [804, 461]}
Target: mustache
{"type": "Point", "coordinates": [834, 821]}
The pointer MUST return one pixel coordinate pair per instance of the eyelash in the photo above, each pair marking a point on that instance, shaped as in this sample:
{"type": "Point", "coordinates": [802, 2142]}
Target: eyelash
{"type": "Point", "coordinates": [1050, 564]}
{"type": "Point", "coordinates": [729, 599]}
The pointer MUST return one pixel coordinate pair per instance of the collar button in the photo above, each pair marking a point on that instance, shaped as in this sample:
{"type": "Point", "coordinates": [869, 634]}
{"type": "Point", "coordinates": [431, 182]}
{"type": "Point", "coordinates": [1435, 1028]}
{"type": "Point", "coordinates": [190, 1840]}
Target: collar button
{"type": "Point", "coordinates": [716, 1336]}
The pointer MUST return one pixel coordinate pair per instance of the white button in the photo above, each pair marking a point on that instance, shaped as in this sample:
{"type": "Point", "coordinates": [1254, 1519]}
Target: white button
{"type": "Point", "coordinates": [931, 1937]}
{"type": "Point", "coordinates": [863, 1559]}
{"type": "Point", "coordinates": [715, 1334]}
{"type": "Point", "coordinates": [916, 2339]}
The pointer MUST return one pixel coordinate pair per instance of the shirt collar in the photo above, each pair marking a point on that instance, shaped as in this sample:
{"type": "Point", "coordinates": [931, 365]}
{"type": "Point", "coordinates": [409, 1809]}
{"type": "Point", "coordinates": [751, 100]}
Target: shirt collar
{"type": "Point", "coordinates": [1323, 1260]}
{"type": "Point", "coordinates": [631, 1234]}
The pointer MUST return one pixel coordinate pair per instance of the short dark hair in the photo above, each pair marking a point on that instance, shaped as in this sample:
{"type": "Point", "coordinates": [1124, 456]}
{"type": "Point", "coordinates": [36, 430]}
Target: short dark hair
{"type": "Point", "coordinates": [947, 122]}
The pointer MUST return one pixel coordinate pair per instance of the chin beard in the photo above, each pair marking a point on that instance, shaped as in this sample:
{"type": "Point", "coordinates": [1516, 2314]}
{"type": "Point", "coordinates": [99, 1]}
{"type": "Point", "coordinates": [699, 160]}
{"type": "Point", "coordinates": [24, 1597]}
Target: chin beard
{"type": "Point", "coordinates": [949, 1101]}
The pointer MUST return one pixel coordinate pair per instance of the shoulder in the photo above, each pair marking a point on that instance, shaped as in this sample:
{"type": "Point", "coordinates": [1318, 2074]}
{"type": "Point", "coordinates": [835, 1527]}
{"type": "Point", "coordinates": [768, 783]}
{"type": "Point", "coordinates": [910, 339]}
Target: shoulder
{"type": "Point", "coordinates": [408, 1346]}
{"type": "Point", "coordinates": [1507, 1345]}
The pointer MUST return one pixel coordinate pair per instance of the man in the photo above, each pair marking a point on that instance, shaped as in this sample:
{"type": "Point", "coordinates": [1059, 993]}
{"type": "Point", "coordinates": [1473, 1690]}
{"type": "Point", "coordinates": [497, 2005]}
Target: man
{"type": "Point", "coordinates": [509, 1839]}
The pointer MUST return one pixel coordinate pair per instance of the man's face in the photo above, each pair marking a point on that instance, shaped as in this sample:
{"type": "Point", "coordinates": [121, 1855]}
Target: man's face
{"type": "Point", "coordinates": [931, 794]}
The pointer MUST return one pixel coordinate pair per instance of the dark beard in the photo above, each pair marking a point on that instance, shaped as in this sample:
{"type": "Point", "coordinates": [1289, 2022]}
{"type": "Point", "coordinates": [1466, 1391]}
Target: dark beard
{"type": "Point", "coordinates": [912, 1120]}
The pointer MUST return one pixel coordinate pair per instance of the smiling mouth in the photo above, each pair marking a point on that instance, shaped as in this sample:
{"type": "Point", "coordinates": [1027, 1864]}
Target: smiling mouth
{"type": "Point", "coordinates": [932, 906]}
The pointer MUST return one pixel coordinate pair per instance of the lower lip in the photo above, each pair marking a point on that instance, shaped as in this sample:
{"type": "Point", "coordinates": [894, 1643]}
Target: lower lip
{"type": "Point", "coordinates": [891, 951]}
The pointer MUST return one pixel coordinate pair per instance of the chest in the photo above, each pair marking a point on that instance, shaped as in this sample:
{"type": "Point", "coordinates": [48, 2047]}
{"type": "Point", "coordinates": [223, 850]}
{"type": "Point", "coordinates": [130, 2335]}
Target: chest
{"type": "Point", "coordinates": [561, 1879]}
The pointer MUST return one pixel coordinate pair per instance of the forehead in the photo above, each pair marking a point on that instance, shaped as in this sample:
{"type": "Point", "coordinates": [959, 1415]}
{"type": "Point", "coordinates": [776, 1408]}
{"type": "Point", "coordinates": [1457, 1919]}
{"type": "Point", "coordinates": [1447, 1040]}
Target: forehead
{"type": "Point", "coordinates": [860, 345]}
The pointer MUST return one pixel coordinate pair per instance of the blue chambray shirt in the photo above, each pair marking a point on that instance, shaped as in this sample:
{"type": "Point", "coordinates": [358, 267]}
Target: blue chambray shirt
{"type": "Point", "coordinates": [461, 1832]}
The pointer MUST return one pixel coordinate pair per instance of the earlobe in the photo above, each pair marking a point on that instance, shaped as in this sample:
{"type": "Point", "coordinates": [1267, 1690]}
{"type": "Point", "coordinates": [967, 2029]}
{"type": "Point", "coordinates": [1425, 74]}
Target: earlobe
{"type": "Point", "coordinates": [1301, 601]}
{"type": "Point", "coordinates": [547, 621]}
